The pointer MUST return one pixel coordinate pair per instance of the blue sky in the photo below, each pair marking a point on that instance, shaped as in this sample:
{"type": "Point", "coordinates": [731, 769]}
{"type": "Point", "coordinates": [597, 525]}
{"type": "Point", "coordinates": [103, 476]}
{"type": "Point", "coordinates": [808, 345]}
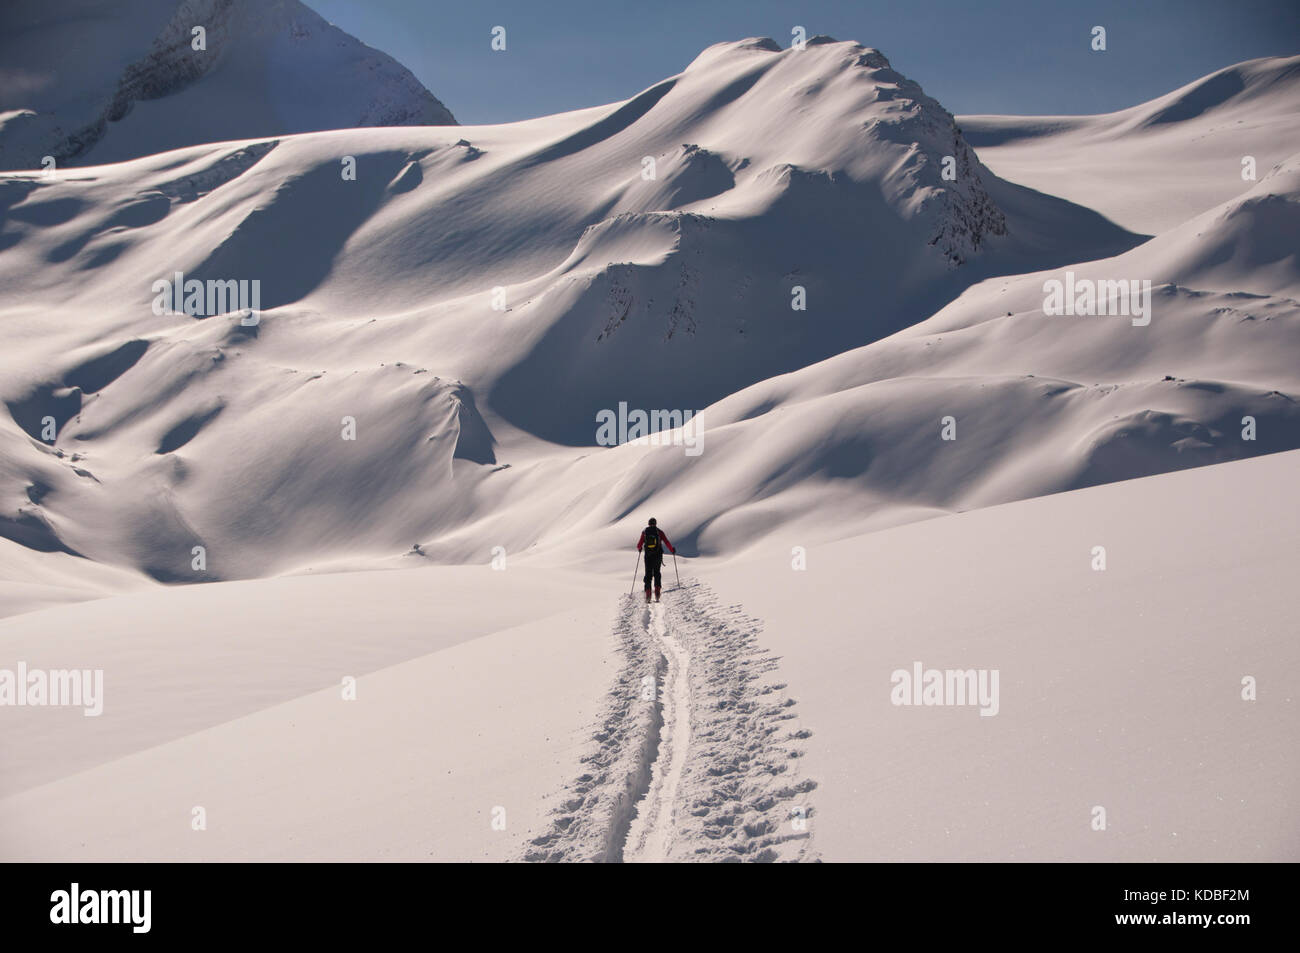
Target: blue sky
{"type": "Point", "coordinates": [997, 56]}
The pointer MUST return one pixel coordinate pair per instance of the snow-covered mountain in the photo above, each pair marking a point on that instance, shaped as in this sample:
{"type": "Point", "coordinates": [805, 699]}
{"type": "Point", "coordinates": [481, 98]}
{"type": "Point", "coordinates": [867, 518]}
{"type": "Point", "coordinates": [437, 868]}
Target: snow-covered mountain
{"type": "Point", "coordinates": [1157, 164]}
{"type": "Point", "coordinates": [475, 299]}
{"type": "Point", "coordinates": [650, 253]}
{"type": "Point", "coordinates": [96, 81]}
{"type": "Point", "coordinates": [897, 456]}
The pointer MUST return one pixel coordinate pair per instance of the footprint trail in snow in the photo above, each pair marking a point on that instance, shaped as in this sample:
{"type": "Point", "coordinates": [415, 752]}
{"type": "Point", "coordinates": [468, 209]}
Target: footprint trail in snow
{"type": "Point", "coordinates": [695, 754]}
{"type": "Point", "coordinates": [650, 835]}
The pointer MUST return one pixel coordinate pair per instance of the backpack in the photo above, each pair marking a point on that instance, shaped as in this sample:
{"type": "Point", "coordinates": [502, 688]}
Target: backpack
{"type": "Point", "coordinates": [651, 540]}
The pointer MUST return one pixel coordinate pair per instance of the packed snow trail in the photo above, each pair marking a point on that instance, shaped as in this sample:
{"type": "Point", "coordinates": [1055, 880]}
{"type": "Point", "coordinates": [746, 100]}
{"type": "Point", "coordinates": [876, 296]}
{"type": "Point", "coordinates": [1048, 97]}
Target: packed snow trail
{"type": "Point", "coordinates": [695, 753]}
{"type": "Point", "coordinates": [650, 835]}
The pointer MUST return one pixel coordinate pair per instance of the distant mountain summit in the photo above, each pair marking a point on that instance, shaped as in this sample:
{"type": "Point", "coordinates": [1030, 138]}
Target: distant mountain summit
{"type": "Point", "coordinates": [129, 82]}
{"type": "Point", "coordinates": [844, 112]}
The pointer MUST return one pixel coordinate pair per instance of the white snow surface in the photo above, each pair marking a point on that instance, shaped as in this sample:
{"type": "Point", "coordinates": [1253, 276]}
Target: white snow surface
{"type": "Point", "coordinates": [475, 427]}
{"type": "Point", "coordinates": [94, 81]}
{"type": "Point", "coordinates": [1155, 165]}
{"type": "Point", "coordinates": [481, 690]}
{"type": "Point", "coordinates": [464, 556]}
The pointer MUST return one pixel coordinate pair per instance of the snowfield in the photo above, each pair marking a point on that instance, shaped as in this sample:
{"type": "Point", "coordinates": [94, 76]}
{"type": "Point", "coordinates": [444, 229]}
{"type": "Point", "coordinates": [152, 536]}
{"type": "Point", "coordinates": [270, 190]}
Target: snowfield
{"type": "Point", "coordinates": [537, 693]}
{"type": "Point", "coordinates": [1120, 689]}
{"type": "Point", "coordinates": [1158, 164]}
{"type": "Point", "coordinates": [350, 550]}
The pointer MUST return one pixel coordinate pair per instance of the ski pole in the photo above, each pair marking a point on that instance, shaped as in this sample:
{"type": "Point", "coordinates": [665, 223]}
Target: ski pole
{"type": "Point", "coordinates": [638, 566]}
{"type": "Point", "coordinates": [675, 572]}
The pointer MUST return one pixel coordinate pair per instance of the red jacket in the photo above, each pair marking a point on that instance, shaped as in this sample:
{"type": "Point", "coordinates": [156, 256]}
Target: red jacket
{"type": "Point", "coordinates": [640, 542]}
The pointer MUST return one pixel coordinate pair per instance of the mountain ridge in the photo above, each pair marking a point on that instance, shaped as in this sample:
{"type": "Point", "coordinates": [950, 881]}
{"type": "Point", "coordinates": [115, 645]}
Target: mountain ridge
{"type": "Point", "coordinates": [289, 72]}
{"type": "Point", "coordinates": [478, 296]}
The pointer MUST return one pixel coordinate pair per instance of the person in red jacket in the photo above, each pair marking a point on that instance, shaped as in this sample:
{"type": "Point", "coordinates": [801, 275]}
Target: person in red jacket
{"type": "Point", "coordinates": [654, 542]}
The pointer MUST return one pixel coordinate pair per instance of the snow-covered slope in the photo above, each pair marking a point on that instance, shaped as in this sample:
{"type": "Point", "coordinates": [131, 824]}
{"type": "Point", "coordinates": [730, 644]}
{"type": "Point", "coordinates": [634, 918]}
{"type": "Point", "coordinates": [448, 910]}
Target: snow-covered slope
{"type": "Point", "coordinates": [1040, 403]}
{"type": "Point", "coordinates": [1121, 689]}
{"type": "Point", "coordinates": [777, 174]}
{"type": "Point", "coordinates": [478, 733]}
{"type": "Point", "coordinates": [1157, 164]}
{"type": "Point", "coordinates": [471, 690]}
{"type": "Point", "coordinates": [422, 378]}
{"type": "Point", "coordinates": [95, 81]}
{"type": "Point", "coordinates": [477, 426]}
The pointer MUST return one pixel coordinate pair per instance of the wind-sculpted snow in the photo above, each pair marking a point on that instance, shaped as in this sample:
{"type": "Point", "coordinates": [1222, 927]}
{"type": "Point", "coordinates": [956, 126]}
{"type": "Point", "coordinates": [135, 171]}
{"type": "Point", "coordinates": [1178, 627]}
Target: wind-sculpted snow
{"type": "Point", "coordinates": [767, 241]}
{"type": "Point", "coordinates": [1155, 165]}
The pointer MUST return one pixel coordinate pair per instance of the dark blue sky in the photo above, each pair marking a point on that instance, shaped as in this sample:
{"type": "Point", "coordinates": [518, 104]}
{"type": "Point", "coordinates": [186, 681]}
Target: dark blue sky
{"type": "Point", "coordinates": [996, 56]}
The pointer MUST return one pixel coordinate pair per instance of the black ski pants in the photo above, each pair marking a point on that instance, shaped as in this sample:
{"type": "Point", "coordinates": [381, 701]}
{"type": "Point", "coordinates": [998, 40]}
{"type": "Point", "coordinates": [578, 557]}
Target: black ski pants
{"type": "Point", "coordinates": [652, 566]}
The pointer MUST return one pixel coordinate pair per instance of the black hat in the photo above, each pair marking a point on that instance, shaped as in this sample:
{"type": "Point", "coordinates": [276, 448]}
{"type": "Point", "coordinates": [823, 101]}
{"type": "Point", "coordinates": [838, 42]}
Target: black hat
{"type": "Point", "coordinates": [652, 521]}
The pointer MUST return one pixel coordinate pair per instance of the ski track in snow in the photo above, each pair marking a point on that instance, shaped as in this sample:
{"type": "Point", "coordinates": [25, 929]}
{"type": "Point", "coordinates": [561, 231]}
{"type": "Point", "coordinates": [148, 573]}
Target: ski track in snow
{"type": "Point", "coordinates": [650, 834]}
{"type": "Point", "coordinates": [695, 754]}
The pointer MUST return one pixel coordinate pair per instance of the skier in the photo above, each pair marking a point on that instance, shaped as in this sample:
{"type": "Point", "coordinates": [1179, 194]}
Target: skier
{"type": "Point", "coordinates": [655, 542]}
